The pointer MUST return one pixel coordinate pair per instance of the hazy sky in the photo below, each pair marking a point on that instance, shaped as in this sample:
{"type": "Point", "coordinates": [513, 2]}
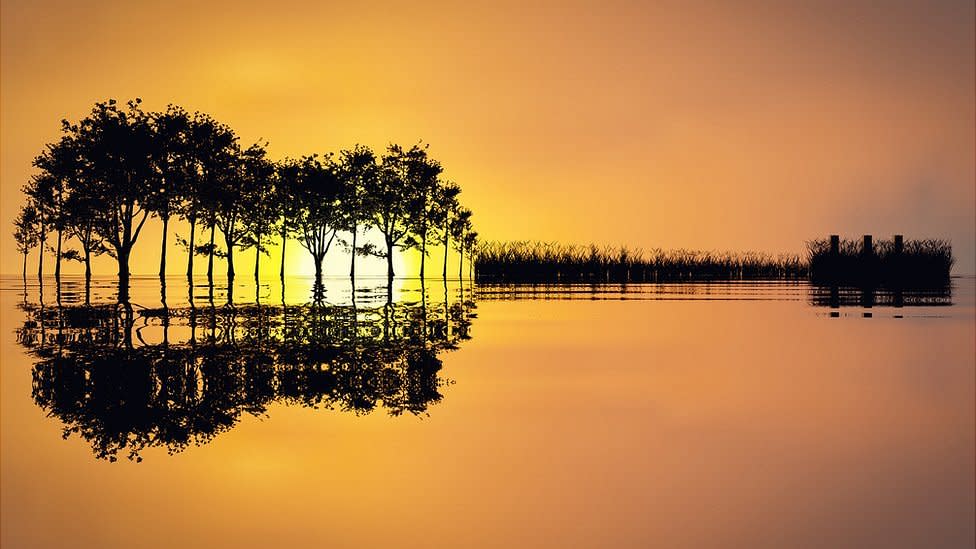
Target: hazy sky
{"type": "Point", "coordinates": [716, 125]}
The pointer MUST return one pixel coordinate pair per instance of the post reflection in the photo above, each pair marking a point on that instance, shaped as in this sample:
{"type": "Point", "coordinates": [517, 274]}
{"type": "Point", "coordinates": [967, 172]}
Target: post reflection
{"type": "Point", "coordinates": [868, 297]}
{"type": "Point", "coordinates": [126, 378]}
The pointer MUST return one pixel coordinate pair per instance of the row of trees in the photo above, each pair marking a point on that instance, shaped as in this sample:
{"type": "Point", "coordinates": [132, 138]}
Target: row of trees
{"type": "Point", "coordinates": [120, 165]}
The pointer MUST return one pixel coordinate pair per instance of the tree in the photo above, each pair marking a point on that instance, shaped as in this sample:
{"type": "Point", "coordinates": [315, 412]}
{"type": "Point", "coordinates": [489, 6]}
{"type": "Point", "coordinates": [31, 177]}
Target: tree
{"type": "Point", "coordinates": [26, 232]}
{"type": "Point", "coordinates": [60, 166]}
{"type": "Point", "coordinates": [39, 196]}
{"type": "Point", "coordinates": [317, 214]}
{"type": "Point", "coordinates": [471, 243]}
{"type": "Point", "coordinates": [286, 183]}
{"type": "Point", "coordinates": [357, 171]}
{"type": "Point", "coordinates": [261, 214]}
{"type": "Point", "coordinates": [80, 211]}
{"type": "Point", "coordinates": [117, 146]}
{"type": "Point", "coordinates": [236, 194]}
{"type": "Point", "coordinates": [214, 149]}
{"type": "Point", "coordinates": [389, 198]}
{"type": "Point", "coordinates": [447, 209]}
{"type": "Point", "coordinates": [173, 167]}
{"type": "Point", "coordinates": [459, 229]}
{"type": "Point", "coordinates": [422, 206]}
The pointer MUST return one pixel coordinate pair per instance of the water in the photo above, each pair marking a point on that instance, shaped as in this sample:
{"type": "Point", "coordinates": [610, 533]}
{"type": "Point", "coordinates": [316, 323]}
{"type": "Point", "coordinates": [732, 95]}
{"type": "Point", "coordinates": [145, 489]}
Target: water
{"type": "Point", "coordinates": [682, 415]}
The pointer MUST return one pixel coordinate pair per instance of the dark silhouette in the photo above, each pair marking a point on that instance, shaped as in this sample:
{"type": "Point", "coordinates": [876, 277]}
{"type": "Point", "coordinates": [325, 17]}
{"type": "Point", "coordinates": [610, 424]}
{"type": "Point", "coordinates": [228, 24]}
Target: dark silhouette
{"type": "Point", "coordinates": [26, 233]}
{"type": "Point", "coordinates": [836, 297]}
{"type": "Point", "coordinates": [357, 171]}
{"type": "Point", "coordinates": [96, 373]}
{"type": "Point", "coordinates": [550, 262]}
{"type": "Point", "coordinates": [174, 166]}
{"type": "Point", "coordinates": [120, 165]}
{"type": "Point", "coordinates": [895, 263]}
{"type": "Point", "coordinates": [286, 182]}
{"type": "Point", "coordinates": [389, 198]}
{"type": "Point", "coordinates": [447, 210]}
{"type": "Point", "coordinates": [460, 229]}
{"type": "Point", "coordinates": [317, 215]}
{"type": "Point", "coordinates": [117, 146]}
{"type": "Point", "coordinates": [423, 206]}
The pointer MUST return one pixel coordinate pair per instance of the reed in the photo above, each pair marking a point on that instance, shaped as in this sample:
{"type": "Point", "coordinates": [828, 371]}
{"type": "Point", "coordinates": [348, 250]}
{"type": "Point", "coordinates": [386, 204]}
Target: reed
{"type": "Point", "coordinates": [527, 261]}
{"type": "Point", "coordinates": [919, 263]}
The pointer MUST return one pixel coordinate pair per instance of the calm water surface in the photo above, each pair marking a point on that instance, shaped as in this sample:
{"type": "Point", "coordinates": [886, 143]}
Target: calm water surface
{"type": "Point", "coordinates": [722, 415]}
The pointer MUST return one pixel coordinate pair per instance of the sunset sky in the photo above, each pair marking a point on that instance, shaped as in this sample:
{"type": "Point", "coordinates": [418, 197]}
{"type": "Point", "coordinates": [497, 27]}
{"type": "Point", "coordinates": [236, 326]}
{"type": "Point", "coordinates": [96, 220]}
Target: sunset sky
{"type": "Point", "coordinates": [707, 125]}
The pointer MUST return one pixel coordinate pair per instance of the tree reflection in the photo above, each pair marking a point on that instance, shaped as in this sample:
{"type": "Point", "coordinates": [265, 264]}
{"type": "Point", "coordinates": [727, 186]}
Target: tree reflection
{"type": "Point", "coordinates": [126, 379]}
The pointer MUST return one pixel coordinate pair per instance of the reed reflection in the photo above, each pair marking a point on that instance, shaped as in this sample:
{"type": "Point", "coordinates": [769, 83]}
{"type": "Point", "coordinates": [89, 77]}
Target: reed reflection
{"type": "Point", "coordinates": [126, 378]}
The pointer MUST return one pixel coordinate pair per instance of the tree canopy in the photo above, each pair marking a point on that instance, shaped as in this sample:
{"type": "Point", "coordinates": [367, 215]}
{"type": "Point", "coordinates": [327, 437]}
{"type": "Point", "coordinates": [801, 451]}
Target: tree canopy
{"type": "Point", "coordinates": [111, 171]}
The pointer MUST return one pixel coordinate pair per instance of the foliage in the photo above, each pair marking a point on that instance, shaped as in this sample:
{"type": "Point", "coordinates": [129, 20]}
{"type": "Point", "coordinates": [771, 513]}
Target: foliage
{"type": "Point", "coordinates": [115, 168]}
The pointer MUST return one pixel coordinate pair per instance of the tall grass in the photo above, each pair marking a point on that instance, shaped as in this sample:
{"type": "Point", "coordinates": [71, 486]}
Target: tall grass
{"type": "Point", "coordinates": [526, 261]}
{"type": "Point", "coordinates": [920, 263]}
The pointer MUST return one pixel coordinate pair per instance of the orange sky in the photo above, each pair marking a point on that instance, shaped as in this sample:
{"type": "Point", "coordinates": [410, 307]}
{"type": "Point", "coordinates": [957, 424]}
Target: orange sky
{"type": "Point", "coordinates": [730, 125]}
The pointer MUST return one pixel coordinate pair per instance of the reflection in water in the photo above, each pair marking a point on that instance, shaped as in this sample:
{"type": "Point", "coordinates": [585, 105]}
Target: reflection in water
{"type": "Point", "coordinates": [820, 296]}
{"type": "Point", "coordinates": [867, 297]}
{"type": "Point", "coordinates": [126, 378]}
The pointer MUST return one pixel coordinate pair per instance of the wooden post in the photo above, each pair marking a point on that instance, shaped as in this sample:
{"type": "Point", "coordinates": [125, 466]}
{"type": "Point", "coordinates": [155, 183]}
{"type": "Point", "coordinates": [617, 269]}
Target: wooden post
{"type": "Point", "coordinates": [868, 248]}
{"type": "Point", "coordinates": [899, 244]}
{"type": "Point", "coordinates": [834, 244]}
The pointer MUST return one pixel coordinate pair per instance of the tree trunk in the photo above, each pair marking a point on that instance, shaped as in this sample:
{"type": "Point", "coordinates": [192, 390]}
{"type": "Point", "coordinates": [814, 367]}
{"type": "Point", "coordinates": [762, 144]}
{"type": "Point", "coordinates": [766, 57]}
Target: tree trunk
{"type": "Point", "coordinates": [230, 259]}
{"type": "Point", "coordinates": [389, 259]}
{"type": "Point", "coordinates": [162, 253]}
{"type": "Point", "coordinates": [210, 259]}
{"type": "Point", "coordinates": [447, 248]}
{"type": "Point", "coordinates": [257, 259]}
{"type": "Point", "coordinates": [461, 261]}
{"type": "Point", "coordinates": [423, 254]}
{"type": "Point", "coordinates": [123, 256]}
{"type": "Point", "coordinates": [57, 262]}
{"type": "Point", "coordinates": [318, 268]}
{"type": "Point", "coordinates": [189, 260]}
{"type": "Point", "coordinates": [284, 240]}
{"type": "Point", "coordinates": [25, 268]}
{"type": "Point", "coordinates": [318, 289]}
{"type": "Point", "coordinates": [40, 254]}
{"type": "Point", "coordinates": [352, 265]}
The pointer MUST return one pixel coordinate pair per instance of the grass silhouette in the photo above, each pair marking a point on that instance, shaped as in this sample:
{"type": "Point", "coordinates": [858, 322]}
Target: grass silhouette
{"type": "Point", "coordinates": [526, 261]}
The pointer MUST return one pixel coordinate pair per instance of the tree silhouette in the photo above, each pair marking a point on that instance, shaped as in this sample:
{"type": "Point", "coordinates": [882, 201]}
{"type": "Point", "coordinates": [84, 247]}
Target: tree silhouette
{"type": "Point", "coordinates": [389, 199]}
{"type": "Point", "coordinates": [357, 171]}
{"type": "Point", "coordinates": [26, 232]}
{"type": "Point", "coordinates": [215, 152]}
{"type": "Point", "coordinates": [236, 195]}
{"type": "Point", "coordinates": [173, 165]}
{"type": "Point", "coordinates": [460, 227]}
{"type": "Point", "coordinates": [117, 145]}
{"type": "Point", "coordinates": [119, 165]}
{"type": "Point", "coordinates": [38, 192]}
{"type": "Point", "coordinates": [317, 215]}
{"type": "Point", "coordinates": [80, 209]}
{"type": "Point", "coordinates": [422, 207]}
{"type": "Point", "coordinates": [471, 244]}
{"type": "Point", "coordinates": [446, 210]}
{"type": "Point", "coordinates": [260, 214]}
{"type": "Point", "coordinates": [59, 165]}
{"type": "Point", "coordinates": [287, 173]}
{"type": "Point", "coordinates": [207, 143]}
